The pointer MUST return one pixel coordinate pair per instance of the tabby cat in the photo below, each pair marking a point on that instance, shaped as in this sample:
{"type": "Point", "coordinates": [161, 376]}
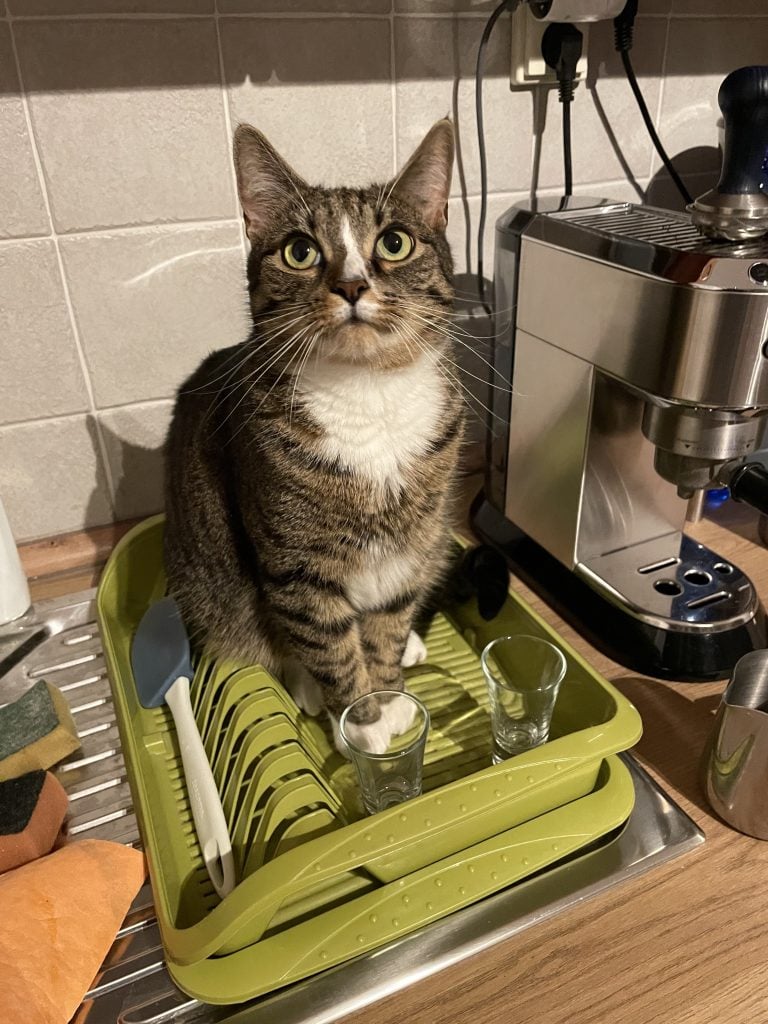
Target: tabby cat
{"type": "Point", "coordinates": [310, 470]}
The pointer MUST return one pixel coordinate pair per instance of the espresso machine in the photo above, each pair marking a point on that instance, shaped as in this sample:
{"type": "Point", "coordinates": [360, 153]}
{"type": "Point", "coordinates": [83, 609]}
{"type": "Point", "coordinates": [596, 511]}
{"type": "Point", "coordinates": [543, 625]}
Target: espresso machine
{"type": "Point", "coordinates": [636, 344]}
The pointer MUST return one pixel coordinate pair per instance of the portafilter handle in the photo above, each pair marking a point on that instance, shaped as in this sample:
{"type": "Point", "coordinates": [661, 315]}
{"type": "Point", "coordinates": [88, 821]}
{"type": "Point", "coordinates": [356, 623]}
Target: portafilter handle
{"type": "Point", "coordinates": [747, 479]}
{"type": "Point", "coordinates": [738, 207]}
{"type": "Point", "coordinates": [750, 484]}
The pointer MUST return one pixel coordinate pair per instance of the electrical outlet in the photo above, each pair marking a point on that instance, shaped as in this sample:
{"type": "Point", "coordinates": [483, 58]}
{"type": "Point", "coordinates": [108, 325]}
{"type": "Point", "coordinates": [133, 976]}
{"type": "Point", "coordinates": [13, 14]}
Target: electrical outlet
{"type": "Point", "coordinates": [528, 67]}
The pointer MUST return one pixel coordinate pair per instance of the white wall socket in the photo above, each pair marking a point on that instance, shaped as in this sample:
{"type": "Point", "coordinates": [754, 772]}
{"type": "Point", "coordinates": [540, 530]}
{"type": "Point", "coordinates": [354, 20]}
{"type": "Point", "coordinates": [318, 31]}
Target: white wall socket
{"type": "Point", "coordinates": [528, 67]}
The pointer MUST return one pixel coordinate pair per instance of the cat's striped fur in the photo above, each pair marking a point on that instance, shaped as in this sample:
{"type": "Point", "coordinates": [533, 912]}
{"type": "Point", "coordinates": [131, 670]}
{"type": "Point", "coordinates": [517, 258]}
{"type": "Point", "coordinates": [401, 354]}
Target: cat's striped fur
{"type": "Point", "coordinates": [310, 470]}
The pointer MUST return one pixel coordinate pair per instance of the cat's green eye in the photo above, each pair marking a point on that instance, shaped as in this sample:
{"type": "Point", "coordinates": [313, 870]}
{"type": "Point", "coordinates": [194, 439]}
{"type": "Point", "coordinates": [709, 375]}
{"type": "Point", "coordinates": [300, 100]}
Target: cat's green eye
{"type": "Point", "coordinates": [301, 253]}
{"type": "Point", "coordinates": [394, 245]}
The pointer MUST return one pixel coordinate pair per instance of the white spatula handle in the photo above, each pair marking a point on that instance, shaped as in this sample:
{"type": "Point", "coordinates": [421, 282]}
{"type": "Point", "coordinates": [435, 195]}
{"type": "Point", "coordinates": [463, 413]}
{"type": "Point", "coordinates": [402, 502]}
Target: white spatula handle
{"type": "Point", "coordinates": [208, 814]}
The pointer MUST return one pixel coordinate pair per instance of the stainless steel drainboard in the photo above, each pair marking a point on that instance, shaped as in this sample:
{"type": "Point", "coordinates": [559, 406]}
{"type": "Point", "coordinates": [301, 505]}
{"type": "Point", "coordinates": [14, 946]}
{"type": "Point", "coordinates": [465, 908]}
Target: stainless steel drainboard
{"type": "Point", "coordinates": [59, 640]}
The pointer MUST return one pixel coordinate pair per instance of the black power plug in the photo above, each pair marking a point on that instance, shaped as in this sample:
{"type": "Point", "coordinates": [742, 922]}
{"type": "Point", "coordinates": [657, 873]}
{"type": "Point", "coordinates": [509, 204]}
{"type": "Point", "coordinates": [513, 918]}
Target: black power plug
{"type": "Point", "coordinates": [624, 27]}
{"type": "Point", "coordinates": [561, 48]}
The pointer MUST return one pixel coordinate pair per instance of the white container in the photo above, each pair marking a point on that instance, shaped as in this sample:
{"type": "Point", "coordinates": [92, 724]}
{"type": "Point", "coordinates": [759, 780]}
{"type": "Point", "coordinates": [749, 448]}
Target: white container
{"type": "Point", "coordinates": [14, 591]}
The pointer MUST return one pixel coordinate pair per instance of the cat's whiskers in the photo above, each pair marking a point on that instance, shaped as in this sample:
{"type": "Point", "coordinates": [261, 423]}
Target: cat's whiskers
{"type": "Point", "coordinates": [255, 376]}
{"type": "Point", "coordinates": [225, 390]}
{"type": "Point", "coordinates": [450, 318]}
{"type": "Point", "coordinates": [245, 351]}
{"type": "Point", "coordinates": [462, 370]}
{"type": "Point", "coordinates": [309, 345]}
{"type": "Point", "coordinates": [466, 395]}
{"type": "Point", "coordinates": [479, 311]}
{"type": "Point", "coordinates": [500, 387]}
{"type": "Point", "coordinates": [249, 419]}
{"type": "Point", "coordinates": [455, 385]}
{"type": "Point", "coordinates": [440, 310]}
{"type": "Point", "coordinates": [247, 385]}
{"type": "Point", "coordinates": [292, 342]}
{"type": "Point", "coordinates": [279, 330]}
{"type": "Point", "coordinates": [298, 344]}
{"type": "Point", "coordinates": [456, 319]}
{"type": "Point", "coordinates": [288, 310]}
{"type": "Point", "coordinates": [465, 372]}
{"type": "Point", "coordinates": [435, 358]}
{"type": "Point", "coordinates": [451, 333]}
{"type": "Point", "coordinates": [473, 297]}
{"type": "Point", "coordinates": [458, 386]}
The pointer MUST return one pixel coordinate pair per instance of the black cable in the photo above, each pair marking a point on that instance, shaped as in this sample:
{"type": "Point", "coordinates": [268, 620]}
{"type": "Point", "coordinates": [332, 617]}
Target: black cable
{"type": "Point", "coordinates": [505, 5]}
{"type": "Point", "coordinates": [623, 34]}
{"type": "Point", "coordinates": [630, 73]}
{"type": "Point", "coordinates": [567, 165]}
{"type": "Point", "coordinates": [561, 47]}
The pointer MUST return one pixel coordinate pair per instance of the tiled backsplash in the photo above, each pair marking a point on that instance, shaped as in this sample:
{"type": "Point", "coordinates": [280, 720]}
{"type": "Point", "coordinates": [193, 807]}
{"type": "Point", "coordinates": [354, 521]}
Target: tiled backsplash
{"type": "Point", "coordinates": [121, 252]}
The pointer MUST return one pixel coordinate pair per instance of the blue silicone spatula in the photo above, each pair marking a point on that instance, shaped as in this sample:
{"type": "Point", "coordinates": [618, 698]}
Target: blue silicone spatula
{"type": "Point", "coordinates": [162, 670]}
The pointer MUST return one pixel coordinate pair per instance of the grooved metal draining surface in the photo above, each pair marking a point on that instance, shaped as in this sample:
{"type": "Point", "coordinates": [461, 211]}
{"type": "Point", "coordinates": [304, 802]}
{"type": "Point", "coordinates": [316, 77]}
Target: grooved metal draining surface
{"type": "Point", "coordinates": [58, 640]}
{"type": "Point", "coordinates": [671, 232]}
{"type": "Point", "coordinates": [61, 644]}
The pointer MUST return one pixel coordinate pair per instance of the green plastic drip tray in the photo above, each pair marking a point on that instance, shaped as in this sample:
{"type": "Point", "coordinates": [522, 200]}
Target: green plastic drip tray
{"type": "Point", "coordinates": [318, 882]}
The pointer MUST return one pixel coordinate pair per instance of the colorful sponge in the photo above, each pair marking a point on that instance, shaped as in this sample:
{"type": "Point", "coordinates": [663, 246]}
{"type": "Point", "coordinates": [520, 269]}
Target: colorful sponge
{"type": "Point", "coordinates": [32, 812]}
{"type": "Point", "coordinates": [36, 731]}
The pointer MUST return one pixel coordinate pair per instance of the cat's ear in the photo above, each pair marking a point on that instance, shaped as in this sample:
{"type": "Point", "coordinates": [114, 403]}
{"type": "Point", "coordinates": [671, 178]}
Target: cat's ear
{"type": "Point", "coordinates": [264, 179]}
{"type": "Point", "coordinates": [425, 181]}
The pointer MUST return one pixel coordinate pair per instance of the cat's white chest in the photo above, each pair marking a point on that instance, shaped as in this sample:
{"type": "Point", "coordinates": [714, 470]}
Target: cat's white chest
{"type": "Point", "coordinates": [382, 578]}
{"type": "Point", "coordinates": [375, 423]}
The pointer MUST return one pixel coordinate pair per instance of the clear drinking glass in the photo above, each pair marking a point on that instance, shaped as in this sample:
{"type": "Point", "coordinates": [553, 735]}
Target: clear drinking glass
{"type": "Point", "coordinates": [394, 776]}
{"type": "Point", "coordinates": [523, 674]}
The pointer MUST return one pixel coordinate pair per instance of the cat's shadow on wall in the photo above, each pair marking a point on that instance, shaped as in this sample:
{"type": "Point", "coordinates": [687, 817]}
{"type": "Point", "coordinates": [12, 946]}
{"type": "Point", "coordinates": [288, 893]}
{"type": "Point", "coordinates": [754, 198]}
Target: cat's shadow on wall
{"type": "Point", "coordinates": [136, 475]}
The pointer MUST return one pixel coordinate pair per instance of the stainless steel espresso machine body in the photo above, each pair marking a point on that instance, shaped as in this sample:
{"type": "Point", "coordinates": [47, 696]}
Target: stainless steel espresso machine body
{"type": "Point", "coordinates": [636, 344]}
{"type": "Point", "coordinates": [637, 351]}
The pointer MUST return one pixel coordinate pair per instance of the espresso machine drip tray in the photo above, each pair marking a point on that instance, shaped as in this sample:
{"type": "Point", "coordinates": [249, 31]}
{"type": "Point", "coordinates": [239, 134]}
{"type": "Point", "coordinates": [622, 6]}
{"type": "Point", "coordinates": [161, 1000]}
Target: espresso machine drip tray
{"type": "Point", "coordinates": [675, 576]}
{"type": "Point", "coordinates": [59, 638]}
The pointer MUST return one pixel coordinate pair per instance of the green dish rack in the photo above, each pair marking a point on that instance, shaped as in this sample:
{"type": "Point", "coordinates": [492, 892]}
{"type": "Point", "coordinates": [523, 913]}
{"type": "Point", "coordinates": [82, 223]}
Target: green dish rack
{"type": "Point", "coordinates": [319, 882]}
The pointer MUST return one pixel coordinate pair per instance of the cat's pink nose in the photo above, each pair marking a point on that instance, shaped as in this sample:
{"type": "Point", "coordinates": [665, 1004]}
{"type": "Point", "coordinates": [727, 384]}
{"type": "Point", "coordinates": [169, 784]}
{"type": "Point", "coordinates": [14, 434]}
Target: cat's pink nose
{"type": "Point", "coordinates": [350, 290]}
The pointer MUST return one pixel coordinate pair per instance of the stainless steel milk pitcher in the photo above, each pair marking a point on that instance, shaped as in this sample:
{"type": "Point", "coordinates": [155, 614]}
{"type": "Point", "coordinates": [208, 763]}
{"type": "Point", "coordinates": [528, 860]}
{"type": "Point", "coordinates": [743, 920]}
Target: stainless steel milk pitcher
{"type": "Point", "coordinates": [736, 759]}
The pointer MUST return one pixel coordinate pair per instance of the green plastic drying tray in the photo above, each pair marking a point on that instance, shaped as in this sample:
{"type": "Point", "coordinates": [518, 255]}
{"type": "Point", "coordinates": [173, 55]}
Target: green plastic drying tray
{"type": "Point", "coordinates": [319, 882]}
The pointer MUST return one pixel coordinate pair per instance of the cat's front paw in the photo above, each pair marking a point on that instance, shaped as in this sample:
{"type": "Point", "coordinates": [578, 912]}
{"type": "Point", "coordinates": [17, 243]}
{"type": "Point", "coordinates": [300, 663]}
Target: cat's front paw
{"type": "Point", "coordinates": [302, 687]}
{"type": "Point", "coordinates": [374, 737]}
{"type": "Point", "coordinates": [398, 713]}
{"type": "Point", "coordinates": [415, 651]}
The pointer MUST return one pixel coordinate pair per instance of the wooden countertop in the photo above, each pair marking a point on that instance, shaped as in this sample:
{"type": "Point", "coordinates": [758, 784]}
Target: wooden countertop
{"type": "Point", "coordinates": [685, 944]}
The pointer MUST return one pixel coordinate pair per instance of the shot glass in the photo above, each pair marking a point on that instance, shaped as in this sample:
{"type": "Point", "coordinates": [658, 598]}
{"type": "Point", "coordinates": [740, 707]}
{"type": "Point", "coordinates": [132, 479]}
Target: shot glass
{"type": "Point", "coordinates": [523, 674]}
{"type": "Point", "coordinates": [394, 776]}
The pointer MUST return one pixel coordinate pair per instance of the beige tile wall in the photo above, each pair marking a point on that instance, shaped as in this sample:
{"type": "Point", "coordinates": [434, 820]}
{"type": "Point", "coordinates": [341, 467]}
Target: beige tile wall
{"type": "Point", "coordinates": [121, 254]}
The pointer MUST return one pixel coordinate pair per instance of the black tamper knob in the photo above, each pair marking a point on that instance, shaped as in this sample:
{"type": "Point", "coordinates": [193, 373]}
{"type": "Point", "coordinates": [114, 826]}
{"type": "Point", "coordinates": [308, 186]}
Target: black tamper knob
{"type": "Point", "coordinates": [743, 99]}
{"type": "Point", "coordinates": [738, 207]}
